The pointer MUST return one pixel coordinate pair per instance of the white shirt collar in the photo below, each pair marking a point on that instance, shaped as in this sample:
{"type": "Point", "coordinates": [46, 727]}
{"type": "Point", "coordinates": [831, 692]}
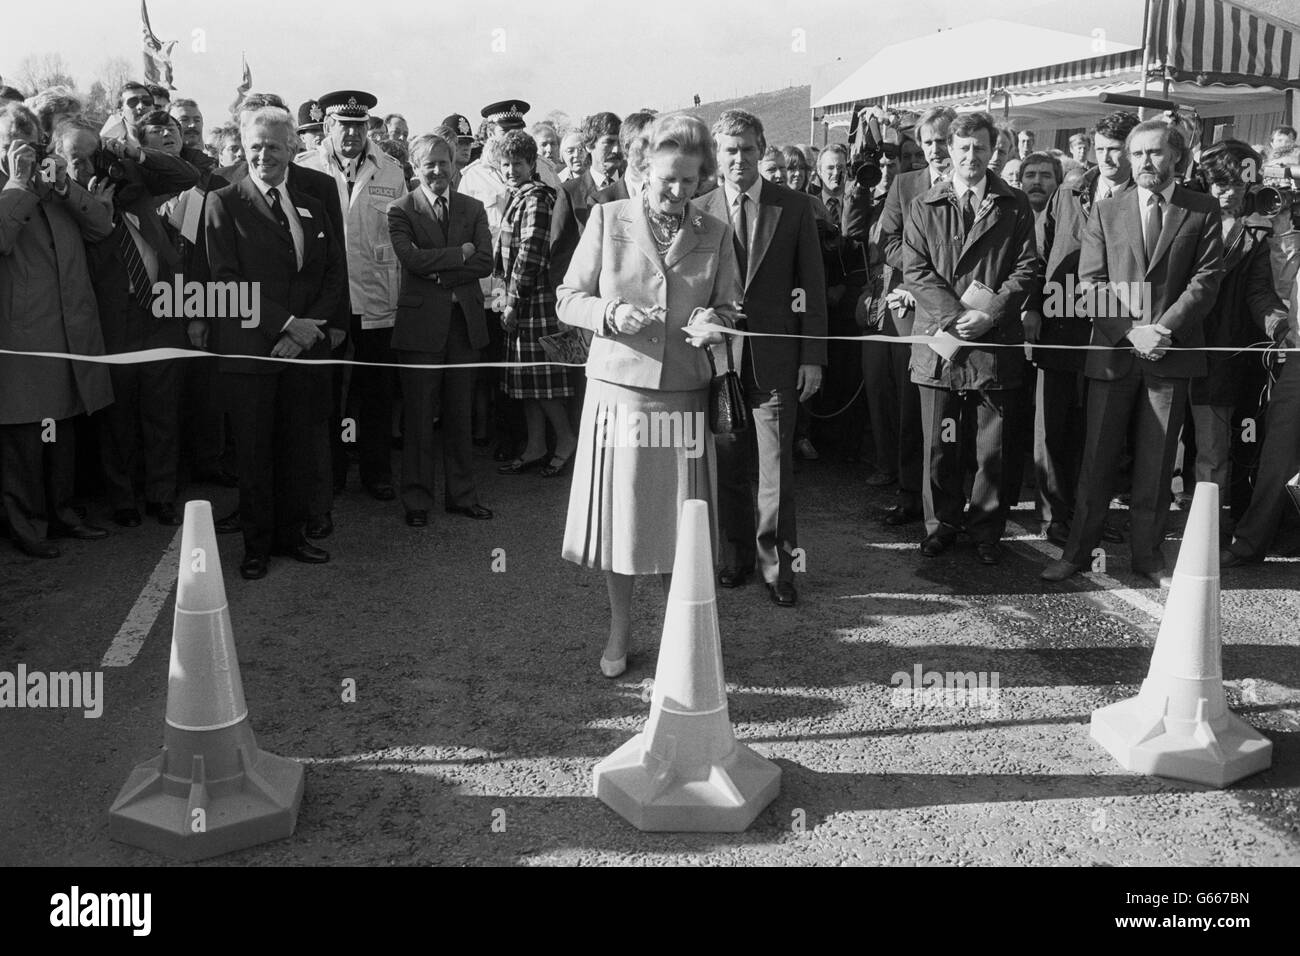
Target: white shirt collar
{"type": "Point", "coordinates": [977, 191]}
{"type": "Point", "coordinates": [1105, 189]}
{"type": "Point", "coordinates": [433, 197]}
{"type": "Point", "coordinates": [263, 188]}
{"type": "Point", "coordinates": [1144, 194]}
{"type": "Point", "coordinates": [733, 194]}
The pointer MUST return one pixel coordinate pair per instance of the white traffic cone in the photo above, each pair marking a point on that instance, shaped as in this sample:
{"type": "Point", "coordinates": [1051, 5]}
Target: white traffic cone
{"type": "Point", "coordinates": [685, 771]}
{"type": "Point", "coordinates": [1179, 724]}
{"type": "Point", "coordinates": [211, 790]}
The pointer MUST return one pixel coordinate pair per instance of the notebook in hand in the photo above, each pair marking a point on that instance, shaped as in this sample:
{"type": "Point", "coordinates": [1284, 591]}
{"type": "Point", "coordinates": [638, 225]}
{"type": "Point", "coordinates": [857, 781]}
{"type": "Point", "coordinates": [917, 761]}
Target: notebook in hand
{"type": "Point", "coordinates": [977, 296]}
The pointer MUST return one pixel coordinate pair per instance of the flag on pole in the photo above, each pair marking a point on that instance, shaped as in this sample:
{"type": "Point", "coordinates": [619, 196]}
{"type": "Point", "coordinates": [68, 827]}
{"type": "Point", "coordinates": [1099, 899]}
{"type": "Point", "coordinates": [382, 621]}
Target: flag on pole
{"type": "Point", "coordinates": [157, 55]}
{"type": "Point", "coordinates": [244, 86]}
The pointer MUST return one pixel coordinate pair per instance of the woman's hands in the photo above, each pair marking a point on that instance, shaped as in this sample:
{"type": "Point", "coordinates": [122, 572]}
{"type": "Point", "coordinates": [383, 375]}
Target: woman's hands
{"type": "Point", "coordinates": [728, 316]}
{"type": "Point", "coordinates": [629, 320]}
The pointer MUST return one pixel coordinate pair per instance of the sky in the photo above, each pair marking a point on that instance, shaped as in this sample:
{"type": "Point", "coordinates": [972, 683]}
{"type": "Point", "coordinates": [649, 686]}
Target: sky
{"type": "Point", "coordinates": [429, 58]}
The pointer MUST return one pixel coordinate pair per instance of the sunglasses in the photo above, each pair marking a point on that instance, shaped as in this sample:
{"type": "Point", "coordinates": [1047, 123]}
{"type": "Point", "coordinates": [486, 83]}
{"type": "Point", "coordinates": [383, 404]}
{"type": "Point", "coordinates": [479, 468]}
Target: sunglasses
{"type": "Point", "coordinates": [134, 101]}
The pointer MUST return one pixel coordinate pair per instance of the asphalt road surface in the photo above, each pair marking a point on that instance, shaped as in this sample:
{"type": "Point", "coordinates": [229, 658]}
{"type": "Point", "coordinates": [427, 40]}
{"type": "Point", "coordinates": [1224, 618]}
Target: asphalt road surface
{"type": "Point", "coordinates": [480, 710]}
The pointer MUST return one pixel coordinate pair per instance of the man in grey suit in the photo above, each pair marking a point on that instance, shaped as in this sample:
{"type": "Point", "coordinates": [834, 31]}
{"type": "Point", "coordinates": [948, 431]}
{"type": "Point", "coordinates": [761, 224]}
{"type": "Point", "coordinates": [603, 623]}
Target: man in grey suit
{"type": "Point", "coordinates": [1150, 269]}
{"type": "Point", "coordinates": [442, 240]}
{"type": "Point", "coordinates": [785, 293]}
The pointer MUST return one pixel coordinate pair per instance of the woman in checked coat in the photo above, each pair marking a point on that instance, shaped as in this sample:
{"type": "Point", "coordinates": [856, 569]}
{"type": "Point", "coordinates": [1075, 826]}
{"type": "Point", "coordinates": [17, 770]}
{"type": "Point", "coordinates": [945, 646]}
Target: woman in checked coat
{"type": "Point", "coordinates": [522, 259]}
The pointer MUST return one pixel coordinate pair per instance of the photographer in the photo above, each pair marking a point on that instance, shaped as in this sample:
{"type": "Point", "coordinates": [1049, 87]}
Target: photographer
{"type": "Point", "coordinates": [144, 421]}
{"type": "Point", "coordinates": [46, 305]}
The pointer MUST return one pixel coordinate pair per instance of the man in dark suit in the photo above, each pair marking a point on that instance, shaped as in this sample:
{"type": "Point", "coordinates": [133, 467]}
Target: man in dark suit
{"type": "Point", "coordinates": [1059, 408]}
{"type": "Point", "coordinates": [1151, 265]}
{"type": "Point", "coordinates": [267, 229]}
{"type": "Point", "coordinates": [631, 140]}
{"type": "Point", "coordinates": [785, 292]}
{"type": "Point", "coordinates": [443, 242]}
{"type": "Point", "coordinates": [898, 310]}
{"type": "Point", "coordinates": [600, 137]}
{"type": "Point", "coordinates": [327, 458]}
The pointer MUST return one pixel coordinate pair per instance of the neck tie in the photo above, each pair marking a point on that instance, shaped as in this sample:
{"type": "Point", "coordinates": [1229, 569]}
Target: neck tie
{"type": "Point", "coordinates": [968, 212]}
{"type": "Point", "coordinates": [833, 207]}
{"type": "Point", "coordinates": [440, 210]}
{"type": "Point", "coordinates": [273, 194]}
{"type": "Point", "coordinates": [141, 288]}
{"type": "Point", "coordinates": [742, 236]}
{"type": "Point", "coordinates": [1154, 221]}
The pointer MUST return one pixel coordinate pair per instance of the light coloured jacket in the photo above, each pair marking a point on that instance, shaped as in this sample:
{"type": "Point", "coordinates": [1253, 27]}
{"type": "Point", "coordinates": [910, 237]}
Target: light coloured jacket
{"type": "Point", "coordinates": [374, 274]}
{"type": "Point", "coordinates": [617, 258]}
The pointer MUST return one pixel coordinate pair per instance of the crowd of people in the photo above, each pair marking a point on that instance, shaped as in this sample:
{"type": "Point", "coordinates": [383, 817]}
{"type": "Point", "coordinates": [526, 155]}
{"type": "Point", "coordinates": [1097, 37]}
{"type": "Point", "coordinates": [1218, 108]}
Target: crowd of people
{"type": "Point", "coordinates": [636, 245]}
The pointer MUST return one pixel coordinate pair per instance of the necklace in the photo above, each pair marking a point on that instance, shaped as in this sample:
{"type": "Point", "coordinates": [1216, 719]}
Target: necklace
{"type": "Point", "coordinates": [663, 226]}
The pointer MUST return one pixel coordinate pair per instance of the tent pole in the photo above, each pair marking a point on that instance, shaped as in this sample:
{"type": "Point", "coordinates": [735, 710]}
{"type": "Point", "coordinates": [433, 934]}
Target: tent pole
{"type": "Point", "coordinates": [988, 96]}
{"type": "Point", "coordinates": [1146, 52]}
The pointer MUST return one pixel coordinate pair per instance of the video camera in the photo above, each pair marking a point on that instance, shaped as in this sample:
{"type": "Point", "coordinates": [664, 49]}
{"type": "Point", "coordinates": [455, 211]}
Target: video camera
{"type": "Point", "coordinates": [874, 134]}
{"type": "Point", "coordinates": [1276, 190]}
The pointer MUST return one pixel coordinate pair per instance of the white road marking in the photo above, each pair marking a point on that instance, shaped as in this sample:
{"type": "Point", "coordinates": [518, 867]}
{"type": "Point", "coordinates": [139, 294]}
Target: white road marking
{"type": "Point", "coordinates": [1114, 588]}
{"type": "Point", "coordinates": [139, 622]}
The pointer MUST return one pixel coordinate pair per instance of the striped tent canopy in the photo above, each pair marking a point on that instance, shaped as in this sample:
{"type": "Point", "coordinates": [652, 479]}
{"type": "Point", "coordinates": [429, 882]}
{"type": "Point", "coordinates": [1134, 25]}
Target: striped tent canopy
{"type": "Point", "coordinates": [1219, 42]}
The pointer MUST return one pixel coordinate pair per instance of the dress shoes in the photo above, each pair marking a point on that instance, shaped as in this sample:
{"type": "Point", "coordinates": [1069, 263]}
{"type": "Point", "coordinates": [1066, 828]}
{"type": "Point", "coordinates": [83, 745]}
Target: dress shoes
{"type": "Point", "coordinates": [417, 519]}
{"type": "Point", "coordinates": [304, 552]}
{"type": "Point", "coordinates": [81, 532]}
{"type": "Point", "coordinates": [126, 518]}
{"type": "Point", "coordinates": [319, 527]}
{"type": "Point", "coordinates": [1057, 532]}
{"type": "Point", "coordinates": [381, 491]}
{"type": "Point", "coordinates": [37, 549]}
{"type": "Point", "coordinates": [229, 524]}
{"type": "Point", "coordinates": [1231, 559]}
{"type": "Point", "coordinates": [900, 515]}
{"type": "Point", "coordinates": [1059, 571]}
{"type": "Point", "coordinates": [470, 511]}
{"type": "Point", "coordinates": [937, 543]}
{"type": "Point", "coordinates": [252, 568]}
{"type": "Point", "coordinates": [165, 512]}
{"type": "Point", "coordinates": [783, 594]}
{"type": "Point", "coordinates": [988, 552]}
{"type": "Point", "coordinates": [734, 577]}
{"type": "Point", "coordinates": [1161, 578]}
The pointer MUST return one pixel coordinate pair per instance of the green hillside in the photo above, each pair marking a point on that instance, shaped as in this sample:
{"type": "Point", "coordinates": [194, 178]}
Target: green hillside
{"type": "Point", "coordinates": [784, 113]}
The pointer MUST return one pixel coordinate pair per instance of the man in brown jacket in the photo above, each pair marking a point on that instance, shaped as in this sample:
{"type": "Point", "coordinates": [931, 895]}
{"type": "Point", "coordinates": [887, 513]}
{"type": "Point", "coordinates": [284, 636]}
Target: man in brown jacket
{"type": "Point", "coordinates": [974, 228]}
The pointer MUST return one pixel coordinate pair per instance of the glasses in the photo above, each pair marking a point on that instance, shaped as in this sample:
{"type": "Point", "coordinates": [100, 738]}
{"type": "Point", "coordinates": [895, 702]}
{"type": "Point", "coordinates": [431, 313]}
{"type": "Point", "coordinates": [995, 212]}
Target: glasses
{"type": "Point", "coordinates": [134, 101]}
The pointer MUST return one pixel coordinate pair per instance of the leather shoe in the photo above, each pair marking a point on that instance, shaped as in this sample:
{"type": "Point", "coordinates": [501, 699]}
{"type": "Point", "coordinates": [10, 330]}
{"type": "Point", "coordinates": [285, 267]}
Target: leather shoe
{"type": "Point", "coordinates": [381, 491]}
{"type": "Point", "coordinates": [783, 594]}
{"type": "Point", "coordinates": [304, 552]}
{"type": "Point", "coordinates": [126, 518]}
{"type": "Point", "coordinates": [38, 549]}
{"type": "Point", "coordinates": [1059, 571]}
{"type": "Point", "coordinates": [1058, 532]}
{"type": "Point", "coordinates": [252, 568]}
{"type": "Point", "coordinates": [936, 544]}
{"type": "Point", "coordinates": [734, 577]}
{"type": "Point", "coordinates": [899, 515]}
{"type": "Point", "coordinates": [988, 552]}
{"type": "Point", "coordinates": [82, 532]}
{"type": "Point", "coordinates": [1231, 559]}
{"type": "Point", "coordinates": [229, 524]}
{"type": "Point", "coordinates": [165, 512]}
{"type": "Point", "coordinates": [1161, 578]}
{"type": "Point", "coordinates": [319, 527]}
{"type": "Point", "coordinates": [417, 519]}
{"type": "Point", "coordinates": [470, 511]}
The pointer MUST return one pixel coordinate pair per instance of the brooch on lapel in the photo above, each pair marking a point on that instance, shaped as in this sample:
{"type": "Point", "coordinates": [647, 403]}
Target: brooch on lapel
{"type": "Point", "coordinates": [697, 222]}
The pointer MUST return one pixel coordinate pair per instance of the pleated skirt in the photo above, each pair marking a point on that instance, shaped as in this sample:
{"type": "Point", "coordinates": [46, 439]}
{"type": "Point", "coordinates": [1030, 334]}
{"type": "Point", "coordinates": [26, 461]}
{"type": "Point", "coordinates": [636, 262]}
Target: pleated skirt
{"type": "Point", "coordinates": [641, 453]}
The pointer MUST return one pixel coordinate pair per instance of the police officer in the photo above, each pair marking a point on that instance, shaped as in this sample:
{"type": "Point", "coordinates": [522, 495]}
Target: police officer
{"type": "Point", "coordinates": [311, 124]}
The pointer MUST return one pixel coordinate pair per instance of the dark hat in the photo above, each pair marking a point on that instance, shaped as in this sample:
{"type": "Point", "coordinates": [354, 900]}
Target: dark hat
{"type": "Point", "coordinates": [310, 116]}
{"type": "Point", "coordinates": [508, 114]}
{"type": "Point", "coordinates": [461, 125]}
{"type": "Point", "coordinates": [348, 106]}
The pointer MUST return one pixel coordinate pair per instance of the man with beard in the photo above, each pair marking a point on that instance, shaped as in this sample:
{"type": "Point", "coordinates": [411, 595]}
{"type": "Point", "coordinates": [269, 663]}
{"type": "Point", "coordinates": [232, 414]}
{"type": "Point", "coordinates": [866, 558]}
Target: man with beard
{"type": "Point", "coordinates": [1059, 404]}
{"type": "Point", "coordinates": [1166, 241]}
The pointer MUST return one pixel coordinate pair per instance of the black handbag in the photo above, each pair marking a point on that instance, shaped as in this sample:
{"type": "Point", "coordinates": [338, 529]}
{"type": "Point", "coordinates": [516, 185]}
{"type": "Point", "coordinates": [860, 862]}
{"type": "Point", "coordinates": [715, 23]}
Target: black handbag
{"type": "Point", "coordinates": [728, 411]}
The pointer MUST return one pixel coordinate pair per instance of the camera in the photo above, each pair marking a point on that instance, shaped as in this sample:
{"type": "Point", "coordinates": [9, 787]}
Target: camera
{"type": "Point", "coordinates": [1276, 190]}
{"type": "Point", "coordinates": [873, 135]}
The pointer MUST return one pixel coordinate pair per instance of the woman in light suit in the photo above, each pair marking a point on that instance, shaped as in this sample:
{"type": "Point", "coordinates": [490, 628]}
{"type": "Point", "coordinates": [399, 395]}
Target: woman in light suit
{"type": "Point", "coordinates": [647, 273]}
